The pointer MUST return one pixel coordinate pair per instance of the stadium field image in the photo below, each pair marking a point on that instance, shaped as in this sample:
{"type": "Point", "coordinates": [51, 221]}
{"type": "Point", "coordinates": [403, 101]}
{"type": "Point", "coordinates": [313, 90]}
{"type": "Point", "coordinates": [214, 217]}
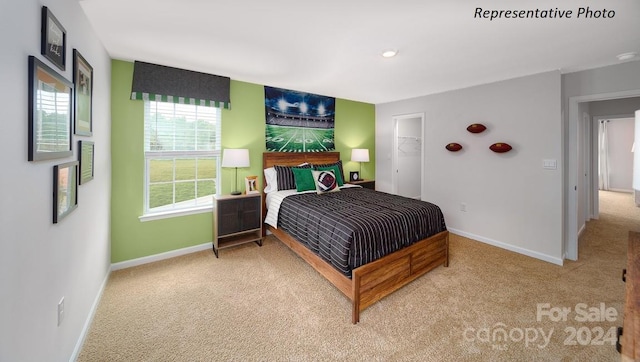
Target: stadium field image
{"type": "Point", "coordinates": [299, 139]}
{"type": "Point", "coordinates": [298, 121]}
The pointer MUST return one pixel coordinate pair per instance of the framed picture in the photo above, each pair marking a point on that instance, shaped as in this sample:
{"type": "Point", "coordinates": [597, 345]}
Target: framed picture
{"type": "Point", "coordinates": [251, 184]}
{"type": "Point", "coordinates": [354, 176]}
{"type": "Point", "coordinates": [50, 103]}
{"type": "Point", "coordinates": [53, 40]}
{"type": "Point", "coordinates": [85, 158]}
{"type": "Point", "coordinates": [65, 189]}
{"type": "Point", "coordinates": [83, 91]}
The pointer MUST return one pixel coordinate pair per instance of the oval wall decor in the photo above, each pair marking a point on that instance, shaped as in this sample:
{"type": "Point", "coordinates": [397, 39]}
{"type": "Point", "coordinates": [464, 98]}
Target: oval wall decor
{"type": "Point", "coordinates": [453, 147]}
{"type": "Point", "coordinates": [500, 147]}
{"type": "Point", "coordinates": [476, 128]}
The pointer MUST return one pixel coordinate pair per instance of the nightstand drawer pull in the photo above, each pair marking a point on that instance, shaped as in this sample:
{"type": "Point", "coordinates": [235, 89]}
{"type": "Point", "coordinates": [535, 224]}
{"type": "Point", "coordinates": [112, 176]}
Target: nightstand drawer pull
{"type": "Point", "coordinates": [624, 275]}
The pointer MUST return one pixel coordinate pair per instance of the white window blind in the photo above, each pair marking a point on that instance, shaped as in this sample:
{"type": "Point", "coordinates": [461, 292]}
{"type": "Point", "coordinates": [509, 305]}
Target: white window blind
{"type": "Point", "coordinates": [182, 152]}
{"type": "Point", "coordinates": [53, 133]}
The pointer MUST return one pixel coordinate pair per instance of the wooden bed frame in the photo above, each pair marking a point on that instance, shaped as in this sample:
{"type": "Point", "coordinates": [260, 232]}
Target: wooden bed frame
{"type": "Point", "coordinates": [373, 281]}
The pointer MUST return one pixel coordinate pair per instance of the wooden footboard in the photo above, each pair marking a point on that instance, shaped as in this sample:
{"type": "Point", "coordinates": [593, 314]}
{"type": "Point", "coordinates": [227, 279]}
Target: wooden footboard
{"type": "Point", "coordinates": [374, 281]}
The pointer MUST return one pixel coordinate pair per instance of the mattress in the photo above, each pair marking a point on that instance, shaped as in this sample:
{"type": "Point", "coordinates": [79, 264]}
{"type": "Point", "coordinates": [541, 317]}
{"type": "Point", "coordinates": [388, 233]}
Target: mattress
{"type": "Point", "coordinates": [356, 226]}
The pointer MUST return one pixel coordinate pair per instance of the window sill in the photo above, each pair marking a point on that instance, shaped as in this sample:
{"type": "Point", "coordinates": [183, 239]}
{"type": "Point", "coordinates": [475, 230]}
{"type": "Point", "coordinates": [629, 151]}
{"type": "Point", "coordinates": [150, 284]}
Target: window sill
{"type": "Point", "coordinates": [175, 213]}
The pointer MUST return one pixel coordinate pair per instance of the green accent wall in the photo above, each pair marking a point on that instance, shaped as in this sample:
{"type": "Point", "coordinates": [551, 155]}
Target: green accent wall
{"type": "Point", "coordinates": [243, 126]}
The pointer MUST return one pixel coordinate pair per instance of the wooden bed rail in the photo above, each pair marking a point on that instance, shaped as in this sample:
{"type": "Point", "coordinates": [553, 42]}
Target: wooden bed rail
{"type": "Point", "coordinates": [374, 281]}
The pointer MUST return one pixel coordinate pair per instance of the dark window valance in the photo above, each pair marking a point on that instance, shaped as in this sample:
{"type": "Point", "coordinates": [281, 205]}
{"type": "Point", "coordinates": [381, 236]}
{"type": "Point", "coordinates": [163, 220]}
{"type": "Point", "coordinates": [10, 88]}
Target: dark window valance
{"type": "Point", "coordinates": [166, 84]}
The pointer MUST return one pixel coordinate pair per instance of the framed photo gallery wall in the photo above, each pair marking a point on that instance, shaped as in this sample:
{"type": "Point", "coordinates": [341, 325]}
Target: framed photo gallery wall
{"type": "Point", "coordinates": [53, 43]}
{"type": "Point", "coordinates": [83, 91]}
{"type": "Point", "coordinates": [50, 101]}
{"type": "Point", "coordinates": [57, 110]}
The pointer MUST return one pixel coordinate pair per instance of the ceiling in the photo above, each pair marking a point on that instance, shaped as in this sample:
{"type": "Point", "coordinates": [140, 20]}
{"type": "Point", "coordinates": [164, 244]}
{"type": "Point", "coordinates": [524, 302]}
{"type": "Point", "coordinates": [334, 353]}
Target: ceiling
{"type": "Point", "coordinates": [333, 47]}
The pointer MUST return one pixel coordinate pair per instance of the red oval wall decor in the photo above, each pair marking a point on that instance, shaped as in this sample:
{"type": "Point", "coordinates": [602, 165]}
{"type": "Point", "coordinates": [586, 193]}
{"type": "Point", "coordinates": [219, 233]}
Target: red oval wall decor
{"type": "Point", "coordinates": [476, 128]}
{"type": "Point", "coordinates": [500, 147]}
{"type": "Point", "coordinates": [453, 147]}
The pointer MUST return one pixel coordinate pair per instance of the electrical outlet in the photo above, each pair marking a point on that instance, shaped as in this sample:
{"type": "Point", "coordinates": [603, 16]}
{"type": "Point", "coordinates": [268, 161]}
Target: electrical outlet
{"type": "Point", "coordinates": [463, 207]}
{"type": "Point", "coordinates": [60, 311]}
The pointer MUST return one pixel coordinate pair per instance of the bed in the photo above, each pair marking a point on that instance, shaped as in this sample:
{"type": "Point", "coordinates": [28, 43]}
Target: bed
{"type": "Point", "coordinates": [369, 281]}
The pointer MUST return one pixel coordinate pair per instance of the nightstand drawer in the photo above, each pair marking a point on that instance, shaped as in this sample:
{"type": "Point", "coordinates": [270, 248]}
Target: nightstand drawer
{"type": "Point", "coordinates": [236, 220]}
{"type": "Point", "coordinates": [237, 215]}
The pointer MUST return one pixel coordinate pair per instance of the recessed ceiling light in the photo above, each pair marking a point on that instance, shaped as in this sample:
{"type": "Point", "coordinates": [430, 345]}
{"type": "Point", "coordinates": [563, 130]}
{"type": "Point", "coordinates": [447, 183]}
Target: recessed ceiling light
{"type": "Point", "coordinates": [626, 56]}
{"type": "Point", "coordinates": [389, 53]}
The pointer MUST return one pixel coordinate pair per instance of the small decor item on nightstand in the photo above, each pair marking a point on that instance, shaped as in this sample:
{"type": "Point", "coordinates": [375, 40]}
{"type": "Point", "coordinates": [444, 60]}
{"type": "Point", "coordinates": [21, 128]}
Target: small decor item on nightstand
{"type": "Point", "coordinates": [354, 176]}
{"type": "Point", "coordinates": [251, 185]}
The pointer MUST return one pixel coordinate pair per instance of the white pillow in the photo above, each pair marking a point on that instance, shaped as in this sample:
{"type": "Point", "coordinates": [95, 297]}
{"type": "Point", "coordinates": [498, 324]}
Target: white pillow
{"type": "Point", "coordinates": [271, 180]}
{"type": "Point", "coordinates": [325, 181]}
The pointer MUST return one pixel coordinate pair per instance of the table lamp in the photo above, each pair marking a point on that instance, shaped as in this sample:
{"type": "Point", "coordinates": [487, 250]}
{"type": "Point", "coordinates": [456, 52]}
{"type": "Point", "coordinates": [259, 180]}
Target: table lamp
{"type": "Point", "coordinates": [360, 155]}
{"type": "Point", "coordinates": [235, 157]}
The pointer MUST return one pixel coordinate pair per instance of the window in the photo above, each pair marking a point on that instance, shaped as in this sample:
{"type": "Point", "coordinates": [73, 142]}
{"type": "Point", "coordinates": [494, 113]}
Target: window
{"type": "Point", "coordinates": [182, 153]}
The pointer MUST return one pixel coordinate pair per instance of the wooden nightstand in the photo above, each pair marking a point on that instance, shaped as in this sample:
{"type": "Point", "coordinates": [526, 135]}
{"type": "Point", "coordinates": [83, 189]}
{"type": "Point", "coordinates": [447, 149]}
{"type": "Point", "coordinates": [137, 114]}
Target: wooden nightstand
{"type": "Point", "coordinates": [368, 184]}
{"type": "Point", "coordinates": [236, 220]}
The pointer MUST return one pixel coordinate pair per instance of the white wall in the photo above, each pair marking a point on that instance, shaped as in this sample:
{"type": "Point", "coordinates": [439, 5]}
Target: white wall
{"type": "Point", "coordinates": [621, 133]}
{"type": "Point", "coordinates": [41, 262]}
{"type": "Point", "coordinates": [409, 151]}
{"type": "Point", "coordinates": [615, 107]}
{"type": "Point", "coordinates": [620, 112]}
{"type": "Point", "coordinates": [511, 201]}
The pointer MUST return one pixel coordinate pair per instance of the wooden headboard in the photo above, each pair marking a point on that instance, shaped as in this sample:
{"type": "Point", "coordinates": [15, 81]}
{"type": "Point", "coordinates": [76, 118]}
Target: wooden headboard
{"type": "Point", "coordinates": [270, 159]}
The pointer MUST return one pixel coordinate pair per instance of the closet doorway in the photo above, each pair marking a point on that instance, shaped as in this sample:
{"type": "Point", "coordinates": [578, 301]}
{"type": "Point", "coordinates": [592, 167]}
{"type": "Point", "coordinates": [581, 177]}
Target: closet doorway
{"type": "Point", "coordinates": [408, 155]}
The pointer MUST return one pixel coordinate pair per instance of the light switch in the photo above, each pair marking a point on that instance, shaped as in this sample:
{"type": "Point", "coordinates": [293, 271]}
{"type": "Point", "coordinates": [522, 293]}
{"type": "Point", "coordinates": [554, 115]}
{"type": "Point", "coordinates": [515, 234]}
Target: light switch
{"type": "Point", "coordinates": [550, 164]}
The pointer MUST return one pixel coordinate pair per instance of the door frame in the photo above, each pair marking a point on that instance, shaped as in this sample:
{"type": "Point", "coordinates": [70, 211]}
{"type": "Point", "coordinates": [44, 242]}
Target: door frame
{"type": "Point", "coordinates": [571, 196]}
{"type": "Point", "coordinates": [394, 160]}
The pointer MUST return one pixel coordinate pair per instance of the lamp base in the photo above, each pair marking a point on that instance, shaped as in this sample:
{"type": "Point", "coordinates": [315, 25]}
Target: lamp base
{"type": "Point", "coordinates": [235, 193]}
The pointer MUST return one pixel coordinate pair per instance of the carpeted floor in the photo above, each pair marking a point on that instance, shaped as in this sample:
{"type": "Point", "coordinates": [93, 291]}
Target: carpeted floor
{"type": "Point", "coordinates": [266, 304]}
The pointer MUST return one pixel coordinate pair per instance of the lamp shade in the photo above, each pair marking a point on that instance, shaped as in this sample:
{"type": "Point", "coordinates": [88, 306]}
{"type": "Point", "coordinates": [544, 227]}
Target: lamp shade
{"type": "Point", "coordinates": [235, 157]}
{"type": "Point", "coordinates": [360, 155]}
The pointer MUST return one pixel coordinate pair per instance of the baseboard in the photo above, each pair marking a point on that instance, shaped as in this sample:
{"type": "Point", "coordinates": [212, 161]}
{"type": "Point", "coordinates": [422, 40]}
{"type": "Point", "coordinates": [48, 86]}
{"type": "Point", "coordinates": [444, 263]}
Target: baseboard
{"type": "Point", "coordinates": [582, 229]}
{"type": "Point", "coordinates": [123, 265]}
{"type": "Point", "coordinates": [161, 256]}
{"type": "Point", "coordinates": [517, 249]}
{"type": "Point", "coordinates": [621, 190]}
{"type": "Point", "coordinates": [89, 321]}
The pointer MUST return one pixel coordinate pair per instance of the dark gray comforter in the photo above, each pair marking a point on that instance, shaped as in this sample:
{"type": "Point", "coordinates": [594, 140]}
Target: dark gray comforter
{"type": "Point", "coordinates": [355, 226]}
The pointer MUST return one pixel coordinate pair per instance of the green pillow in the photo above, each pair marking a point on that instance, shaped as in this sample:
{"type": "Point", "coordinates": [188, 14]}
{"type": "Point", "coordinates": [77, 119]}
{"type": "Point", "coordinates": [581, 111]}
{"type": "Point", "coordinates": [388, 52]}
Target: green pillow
{"type": "Point", "coordinates": [304, 179]}
{"type": "Point", "coordinates": [336, 172]}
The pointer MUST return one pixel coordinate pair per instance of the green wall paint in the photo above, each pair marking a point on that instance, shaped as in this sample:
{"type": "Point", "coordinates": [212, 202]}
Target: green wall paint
{"type": "Point", "coordinates": [243, 126]}
{"type": "Point", "coordinates": [355, 128]}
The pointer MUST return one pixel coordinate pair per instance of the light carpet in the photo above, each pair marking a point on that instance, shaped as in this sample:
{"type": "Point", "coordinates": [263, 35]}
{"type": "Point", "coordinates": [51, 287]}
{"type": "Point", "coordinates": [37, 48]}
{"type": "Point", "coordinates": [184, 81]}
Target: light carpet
{"type": "Point", "coordinates": [266, 304]}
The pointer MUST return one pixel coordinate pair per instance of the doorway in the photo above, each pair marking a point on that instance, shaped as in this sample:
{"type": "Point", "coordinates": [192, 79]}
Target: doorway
{"type": "Point", "coordinates": [575, 191]}
{"type": "Point", "coordinates": [408, 155]}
